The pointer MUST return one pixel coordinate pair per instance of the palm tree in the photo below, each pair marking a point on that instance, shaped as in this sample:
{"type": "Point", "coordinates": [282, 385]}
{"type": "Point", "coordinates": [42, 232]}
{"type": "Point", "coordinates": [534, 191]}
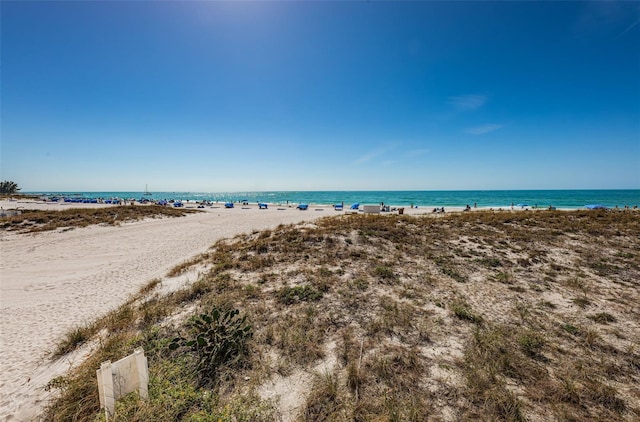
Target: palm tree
{"type": "Point", "coordinates": [8, 187]}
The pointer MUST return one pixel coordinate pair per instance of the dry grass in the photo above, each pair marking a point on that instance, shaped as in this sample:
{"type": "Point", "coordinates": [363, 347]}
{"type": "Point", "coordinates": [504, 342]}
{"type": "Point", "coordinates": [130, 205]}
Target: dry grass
{"type": "Point", "coordinates": [474, 316]}
{"type": "Point", "coordinates": [30, 221]}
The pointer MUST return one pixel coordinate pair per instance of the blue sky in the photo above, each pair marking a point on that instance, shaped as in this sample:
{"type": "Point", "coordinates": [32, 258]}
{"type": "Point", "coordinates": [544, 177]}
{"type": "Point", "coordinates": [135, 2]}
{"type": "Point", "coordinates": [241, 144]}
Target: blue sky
{"type": "Point", "coordinates": [227, 96]}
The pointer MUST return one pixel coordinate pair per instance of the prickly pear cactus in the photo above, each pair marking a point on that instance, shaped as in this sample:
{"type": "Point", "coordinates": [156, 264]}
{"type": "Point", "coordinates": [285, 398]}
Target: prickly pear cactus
{"type": "Point", "coordinates": [219, 340]}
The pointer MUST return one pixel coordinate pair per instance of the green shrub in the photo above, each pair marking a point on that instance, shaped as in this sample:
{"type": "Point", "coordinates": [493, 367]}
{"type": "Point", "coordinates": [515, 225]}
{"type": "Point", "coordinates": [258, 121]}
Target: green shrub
{"type": "Point", "coordinates": [220, 340]}
{"type": "Point", "coordinates": [571, 329]}
{"type": "Point", "coordinates": [385, 273]}
{"type": "Point", "coordinates": [464, 312]}
{"type": "Point", "coordinates": [531, 342]}
{"type": "Point", "coordinates": [291, 295]}
{"type": "Point", "coordinates": [454, 274]}
{"type": "Point", "coordinates": [490, 262]}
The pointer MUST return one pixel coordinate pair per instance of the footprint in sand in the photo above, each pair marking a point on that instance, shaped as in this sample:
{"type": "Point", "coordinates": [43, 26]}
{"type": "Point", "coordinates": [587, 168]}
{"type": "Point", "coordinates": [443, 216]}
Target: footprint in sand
{"type": "Point", "coordinates": [36, 287]}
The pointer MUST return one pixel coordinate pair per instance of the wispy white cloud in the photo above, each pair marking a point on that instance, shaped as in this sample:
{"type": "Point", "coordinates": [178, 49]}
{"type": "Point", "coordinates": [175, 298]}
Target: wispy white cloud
{"type": "Point", "coordinates": [629, 28]}
{"type": "Point", "coordinates": [606, 15]}
{"type": "Point", "coordinates": [481, 130]}
{"type": "Point", "coordinates": [369, 156]}
{"type": "Point", "coordinates": [468, 102]}
{"type": "Point", "coordinates": [373, 154]}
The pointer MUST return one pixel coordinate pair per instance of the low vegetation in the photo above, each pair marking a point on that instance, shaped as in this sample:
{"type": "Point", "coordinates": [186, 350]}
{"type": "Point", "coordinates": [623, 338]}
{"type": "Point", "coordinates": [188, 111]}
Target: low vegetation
{"type": "Point", "coordinates": [31, 221]}
{"type": "Point", "coordinates": [218, 341]}
{"type": "Point", "coordinates": [474, 316]}
{"type": "Point", "coordinates": [8, 187]}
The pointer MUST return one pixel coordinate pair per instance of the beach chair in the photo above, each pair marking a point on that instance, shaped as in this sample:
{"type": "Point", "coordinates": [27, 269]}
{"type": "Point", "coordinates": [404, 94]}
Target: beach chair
{"type": "Point", "coordinates": [338, 207]}
{"type": "Point", "coordinates": [228, 205]}
{"type": "Point", "coordinates": [353, 209]}
{"type": "Point", "coordinates": [262, 206]}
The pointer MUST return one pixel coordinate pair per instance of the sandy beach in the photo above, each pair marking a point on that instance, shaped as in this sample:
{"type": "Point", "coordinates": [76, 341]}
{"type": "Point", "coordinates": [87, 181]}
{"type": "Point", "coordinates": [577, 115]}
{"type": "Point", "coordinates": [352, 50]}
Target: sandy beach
{"type": "Point", "coordinates": [54, 281]}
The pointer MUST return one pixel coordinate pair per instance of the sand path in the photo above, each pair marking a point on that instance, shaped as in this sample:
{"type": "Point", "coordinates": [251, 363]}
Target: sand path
{"type": "Point", "coordinates": [52, 282]}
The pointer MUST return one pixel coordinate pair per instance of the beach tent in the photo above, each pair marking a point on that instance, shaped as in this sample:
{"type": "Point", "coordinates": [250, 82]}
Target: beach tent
{"type": "Point", "coordinates": [303, 207]}
{"type": "Point", "coordinates": [338, 207]}
{"type": "Point", "coordinates": [595, 207]}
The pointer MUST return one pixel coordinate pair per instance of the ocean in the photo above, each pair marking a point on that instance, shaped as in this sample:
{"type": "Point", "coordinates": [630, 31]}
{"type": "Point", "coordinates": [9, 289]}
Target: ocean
{"type": "Point", "coordinates": [571, 199]}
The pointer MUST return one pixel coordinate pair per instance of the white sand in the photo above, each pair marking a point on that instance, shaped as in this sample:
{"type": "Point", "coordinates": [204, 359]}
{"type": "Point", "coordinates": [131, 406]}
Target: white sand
{"type": "Point", "coordinates": [52, 282]}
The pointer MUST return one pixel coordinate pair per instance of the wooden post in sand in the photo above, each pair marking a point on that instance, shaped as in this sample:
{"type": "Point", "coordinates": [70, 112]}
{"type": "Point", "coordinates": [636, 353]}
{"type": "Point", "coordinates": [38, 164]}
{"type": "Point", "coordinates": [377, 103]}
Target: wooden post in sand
{"type": "Point", "coordinates": [105, 388]}
{"type": "Point", "coordinates": [122, 377]}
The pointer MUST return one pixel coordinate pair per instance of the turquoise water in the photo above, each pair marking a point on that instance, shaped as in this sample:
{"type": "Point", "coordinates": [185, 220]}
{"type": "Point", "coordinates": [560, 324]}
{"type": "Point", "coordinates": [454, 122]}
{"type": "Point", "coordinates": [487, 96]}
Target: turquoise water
{"type": "Point", "coordinates": [501, 198]}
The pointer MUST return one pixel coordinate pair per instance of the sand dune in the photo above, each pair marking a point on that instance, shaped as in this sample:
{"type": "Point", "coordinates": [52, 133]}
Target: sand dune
{"type": "Point", "coordinates": [52, 282]}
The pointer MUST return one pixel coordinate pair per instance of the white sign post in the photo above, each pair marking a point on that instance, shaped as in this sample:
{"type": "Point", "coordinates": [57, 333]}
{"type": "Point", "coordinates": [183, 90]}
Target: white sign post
{"type": "Point", "coordinates": [371, 209]}
{"type": "Point", "coordinates": [122, 377]}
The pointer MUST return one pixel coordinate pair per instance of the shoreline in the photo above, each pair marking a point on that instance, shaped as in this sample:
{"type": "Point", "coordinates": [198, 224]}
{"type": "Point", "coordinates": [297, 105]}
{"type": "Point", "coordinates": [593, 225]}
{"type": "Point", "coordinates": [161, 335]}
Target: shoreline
{"type": "Point", "coordinates": [36, 204]}
{"type": "Point", "coordinates": [565, 199]}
